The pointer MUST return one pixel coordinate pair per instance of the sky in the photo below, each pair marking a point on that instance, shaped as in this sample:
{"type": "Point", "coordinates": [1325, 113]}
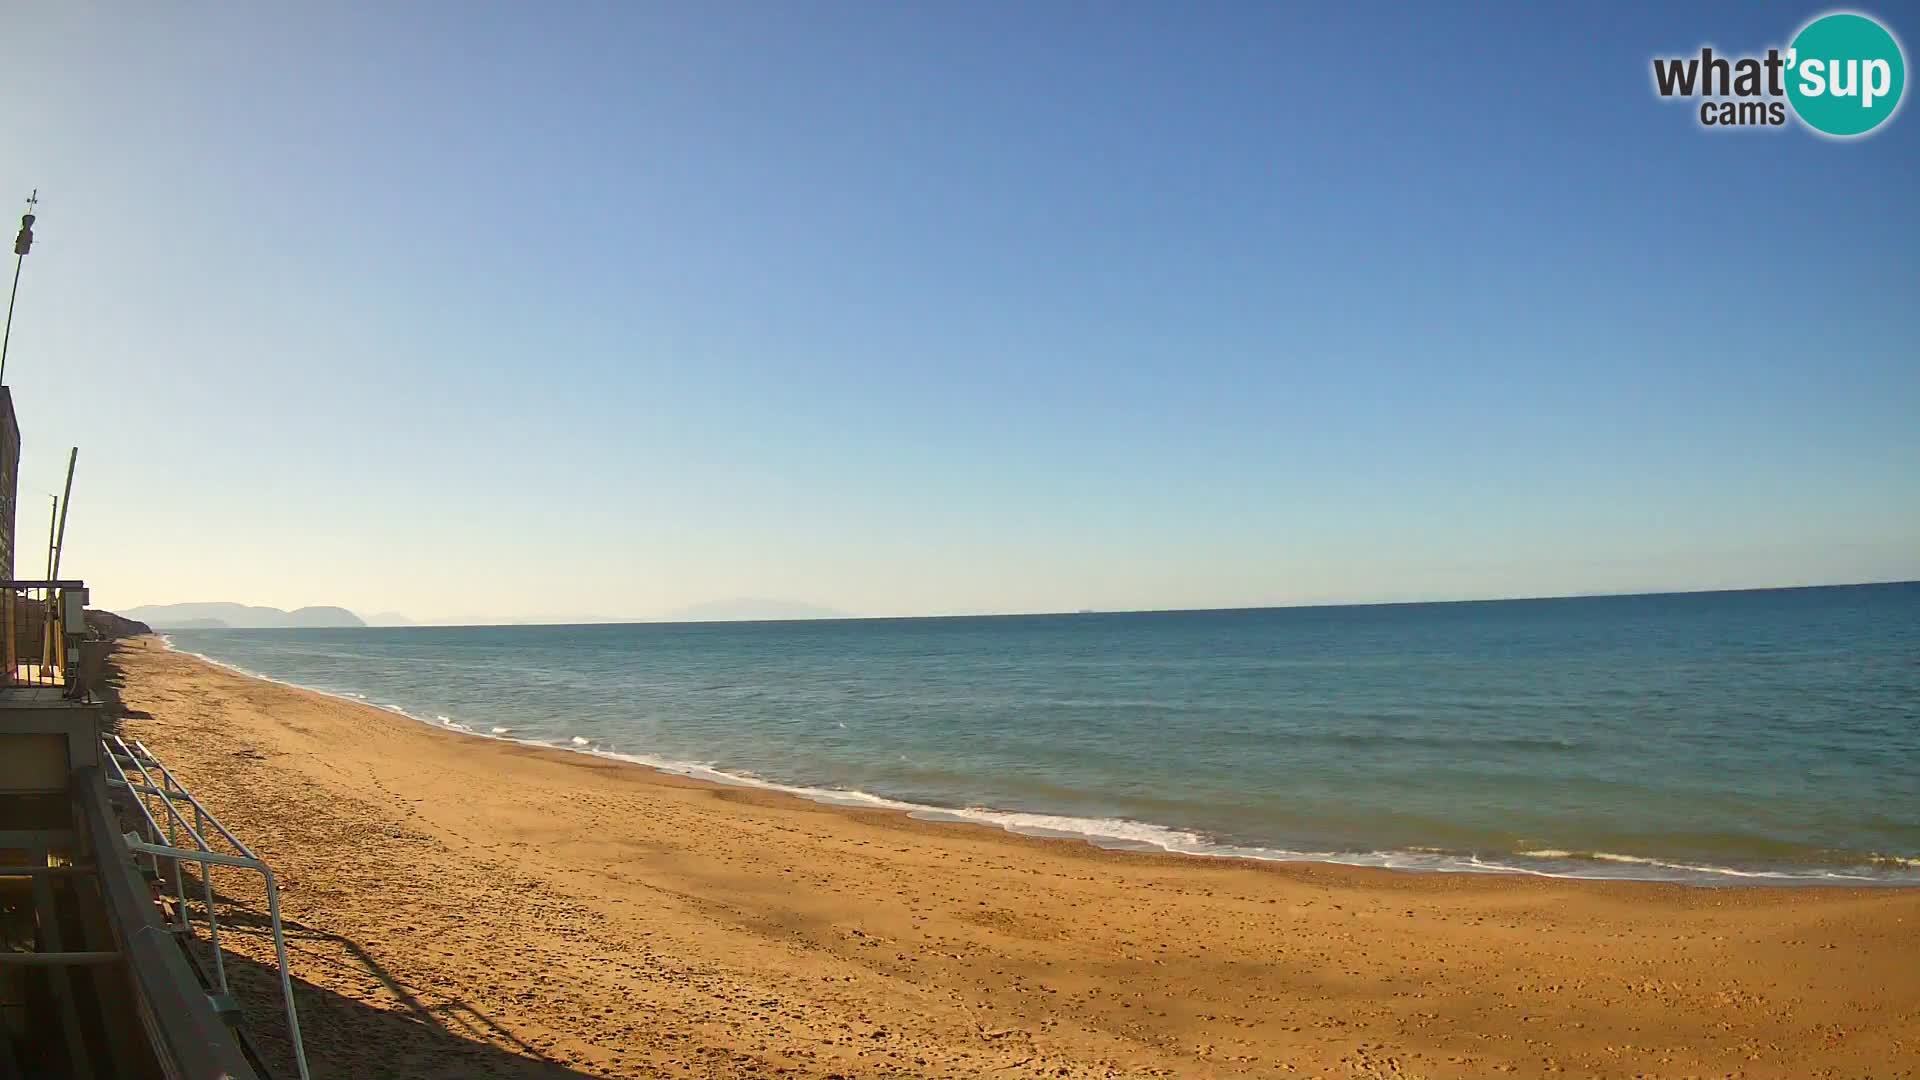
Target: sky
{"type": "Point", "coordinates": [499, 311]}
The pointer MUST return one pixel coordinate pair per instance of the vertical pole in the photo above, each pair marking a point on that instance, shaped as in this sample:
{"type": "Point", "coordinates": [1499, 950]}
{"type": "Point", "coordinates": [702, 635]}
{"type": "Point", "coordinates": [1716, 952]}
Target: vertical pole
{"type": "Point", "coordinates": [57, 639]}
{"type": "Point", "coordinates": [46, 606]}
{"type": "Point", "coordinates": [175, 868]}
{"type": "Point", "coordinates": [286, 973]}
{"type": "Point", "coordinates": [213, 927]}
{"type": "Point", "coordinates": [66, 503]}
{"type": "Point", "coordinates": [8, 338]}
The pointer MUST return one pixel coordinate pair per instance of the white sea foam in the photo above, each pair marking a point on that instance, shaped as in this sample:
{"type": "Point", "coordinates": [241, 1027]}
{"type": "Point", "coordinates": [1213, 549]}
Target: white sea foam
{"type": "Point", "coordinates": [1693, 868]}
{"type": "Point", "coordinates": [1124, 834]}
{"type": "Point", "coordinates": [341, 695]}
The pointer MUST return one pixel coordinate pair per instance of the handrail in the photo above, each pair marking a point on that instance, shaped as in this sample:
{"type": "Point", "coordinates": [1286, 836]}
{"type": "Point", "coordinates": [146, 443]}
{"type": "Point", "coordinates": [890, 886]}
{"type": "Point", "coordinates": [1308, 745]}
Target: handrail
{"type": "Point", "coordinates": [120, 778]}
{"type": "Point", "coordinates": [203, 853]}
{"type": "Point", "coordinates": [200, 844]}
{"type": "Point", "coordinates": [186, 1036]}
{"type": "Point", "coordinates": [200, 811]}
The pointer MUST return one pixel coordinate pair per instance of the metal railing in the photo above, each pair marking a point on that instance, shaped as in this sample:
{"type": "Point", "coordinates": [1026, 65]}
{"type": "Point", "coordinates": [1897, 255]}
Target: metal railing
{"type": "Point", "coordinates": [42, 623]}
{"type": "Point", "coordinates": [156, 785]}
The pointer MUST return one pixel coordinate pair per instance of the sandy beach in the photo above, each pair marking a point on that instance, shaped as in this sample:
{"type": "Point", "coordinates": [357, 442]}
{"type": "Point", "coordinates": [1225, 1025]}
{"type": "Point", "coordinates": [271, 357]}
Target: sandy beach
{"type": "Point", "coordinates": [466, 907]}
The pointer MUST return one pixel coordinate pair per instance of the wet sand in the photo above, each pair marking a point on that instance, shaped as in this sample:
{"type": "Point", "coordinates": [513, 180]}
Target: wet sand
{"type": "Point", "coordinates": [466, 907]}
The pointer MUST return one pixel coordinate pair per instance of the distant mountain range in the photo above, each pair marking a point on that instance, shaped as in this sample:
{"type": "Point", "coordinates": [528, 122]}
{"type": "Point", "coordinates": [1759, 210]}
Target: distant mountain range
{"type": "Point", "coordinates": [237, 616]}
{"type": "Point", "coordinates": [217, 616]}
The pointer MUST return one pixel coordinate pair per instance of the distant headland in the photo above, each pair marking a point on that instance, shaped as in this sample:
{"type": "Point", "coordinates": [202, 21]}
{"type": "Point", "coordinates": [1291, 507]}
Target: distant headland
{"type": "Point", "coordinates": [217, 616]}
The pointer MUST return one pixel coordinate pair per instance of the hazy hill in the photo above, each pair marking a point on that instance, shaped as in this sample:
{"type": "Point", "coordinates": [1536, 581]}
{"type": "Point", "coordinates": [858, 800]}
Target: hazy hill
{"type": "Point", "coordinates": [238, 616]}
{"type": "Point", "coordinates": [211, 616]}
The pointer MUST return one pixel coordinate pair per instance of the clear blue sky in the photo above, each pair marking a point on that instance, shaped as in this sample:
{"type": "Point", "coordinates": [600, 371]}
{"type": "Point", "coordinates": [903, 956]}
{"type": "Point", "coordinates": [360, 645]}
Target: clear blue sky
{"type": "Point", "coordinates": [923, 308]}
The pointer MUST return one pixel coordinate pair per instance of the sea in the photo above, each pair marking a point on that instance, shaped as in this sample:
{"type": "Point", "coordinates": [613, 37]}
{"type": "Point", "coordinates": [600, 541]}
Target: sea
{"type": "Point", "coordinates": [1728, 738]}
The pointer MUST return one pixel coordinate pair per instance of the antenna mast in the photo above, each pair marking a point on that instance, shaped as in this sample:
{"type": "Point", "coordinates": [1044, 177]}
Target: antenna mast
{"type": "Point", "coordinates": [22, 244]}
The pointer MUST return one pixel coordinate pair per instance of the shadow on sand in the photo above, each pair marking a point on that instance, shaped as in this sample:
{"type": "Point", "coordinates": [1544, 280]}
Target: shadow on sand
{"type": "Point", "coordinates": [107, 690]}
{"type": "Point", "coordinates": [405, 1038]}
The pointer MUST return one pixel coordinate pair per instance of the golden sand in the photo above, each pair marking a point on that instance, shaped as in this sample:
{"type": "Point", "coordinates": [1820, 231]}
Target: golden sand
{"type": "Point", "coordinates": [467, 907]}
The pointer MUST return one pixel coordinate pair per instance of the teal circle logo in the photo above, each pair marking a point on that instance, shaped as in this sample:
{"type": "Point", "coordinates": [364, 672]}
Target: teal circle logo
{"type": "Point", "coordinates": [1845, 74]}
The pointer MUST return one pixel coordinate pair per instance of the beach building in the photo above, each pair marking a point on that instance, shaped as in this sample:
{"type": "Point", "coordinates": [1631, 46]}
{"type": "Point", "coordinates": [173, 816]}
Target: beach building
{"type": "Point", "coordinates": [110, 964]}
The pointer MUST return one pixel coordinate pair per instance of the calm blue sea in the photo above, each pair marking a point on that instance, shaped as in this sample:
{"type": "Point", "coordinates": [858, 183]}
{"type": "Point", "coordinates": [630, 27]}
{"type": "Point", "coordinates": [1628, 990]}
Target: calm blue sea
{"type": "Point", "coordinates": [1721, 737]}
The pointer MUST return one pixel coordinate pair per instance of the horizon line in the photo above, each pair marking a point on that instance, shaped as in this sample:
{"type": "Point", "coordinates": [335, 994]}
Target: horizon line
{"type": "Point", "coordinates": [622, 621]}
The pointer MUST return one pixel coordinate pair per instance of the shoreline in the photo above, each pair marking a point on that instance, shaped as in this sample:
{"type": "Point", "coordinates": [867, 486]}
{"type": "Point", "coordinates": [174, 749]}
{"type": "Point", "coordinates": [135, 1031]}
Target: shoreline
{"type": "Point", "coordinates": [1149, 838]}
{"type": "Point", "coordinates": [476, 907]}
